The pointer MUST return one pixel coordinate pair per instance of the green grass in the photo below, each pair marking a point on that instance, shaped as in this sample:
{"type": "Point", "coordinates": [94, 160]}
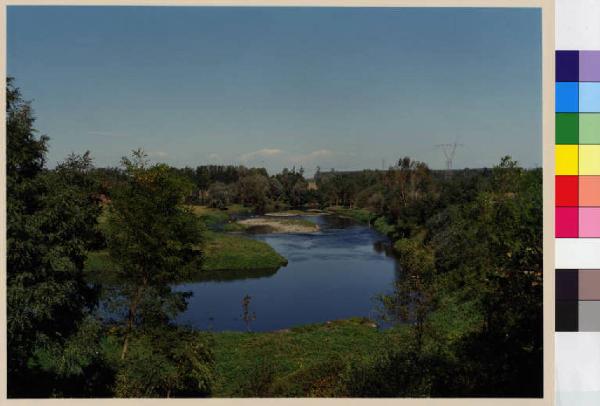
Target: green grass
{"type": "Point", "coordinates": [234, 226]}
{"type": "Point", "coordinates": [226, 257]}
{"type": "Point", "coordinates": [233, 252]}
{"type": "Point", "coordinates": [361, 215]}
{"type": "Point", "coordinates": [219, 219]}
{"type": "Point", "coordinates": [211, 217]}
{"type": "Point", "coordinates": [303, 361]}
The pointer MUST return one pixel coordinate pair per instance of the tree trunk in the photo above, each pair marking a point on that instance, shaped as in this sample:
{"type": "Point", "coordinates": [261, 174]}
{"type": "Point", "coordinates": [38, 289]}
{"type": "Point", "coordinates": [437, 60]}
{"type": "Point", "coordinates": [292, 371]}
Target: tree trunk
{"type": "Point", "coordinates": [131, 318]}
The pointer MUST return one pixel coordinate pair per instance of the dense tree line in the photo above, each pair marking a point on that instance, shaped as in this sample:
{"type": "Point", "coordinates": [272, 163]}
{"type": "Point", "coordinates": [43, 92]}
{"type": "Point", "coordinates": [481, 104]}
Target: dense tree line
{"type": "Point", "coordinates": [470, 250]}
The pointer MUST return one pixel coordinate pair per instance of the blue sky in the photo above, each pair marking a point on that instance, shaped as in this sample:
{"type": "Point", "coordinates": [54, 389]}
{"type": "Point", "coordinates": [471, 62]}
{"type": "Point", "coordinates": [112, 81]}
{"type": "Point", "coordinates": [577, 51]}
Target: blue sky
{"type": "Point", "coordinates": [275, 87]}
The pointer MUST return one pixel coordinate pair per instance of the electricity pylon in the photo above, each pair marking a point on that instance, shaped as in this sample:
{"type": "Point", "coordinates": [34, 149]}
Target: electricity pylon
{"type": "Point", "coordinates": [449, 152]}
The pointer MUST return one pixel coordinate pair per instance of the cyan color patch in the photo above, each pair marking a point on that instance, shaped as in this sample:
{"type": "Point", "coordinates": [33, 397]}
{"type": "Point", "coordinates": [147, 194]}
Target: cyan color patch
{"type": "Point", "coordinates": [567, 98]}
{"type": "Point", "coordinates": [589, 97]}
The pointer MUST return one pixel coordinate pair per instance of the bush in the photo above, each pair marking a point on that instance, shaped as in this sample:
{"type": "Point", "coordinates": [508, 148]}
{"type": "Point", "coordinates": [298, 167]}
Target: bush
{"type": "Point", "coordinates": [166, 362]}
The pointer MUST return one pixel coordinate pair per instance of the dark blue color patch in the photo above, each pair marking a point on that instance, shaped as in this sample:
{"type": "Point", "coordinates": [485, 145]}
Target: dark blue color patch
{"type": "Point", "coordinates": [567, 66]}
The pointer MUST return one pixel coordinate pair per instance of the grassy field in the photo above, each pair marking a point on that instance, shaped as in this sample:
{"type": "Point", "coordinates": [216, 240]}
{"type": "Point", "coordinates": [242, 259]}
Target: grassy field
{"type": "Point", "coordinates": [213, 217]}
{"type": "Point", "coordinates": [303, 361]}
{"type": "Point", "coordinates": [362, 215]}
{"type": "Point", "coordinates": [224, 252]}
{"type": "Point", "coordinates": [226, 257]}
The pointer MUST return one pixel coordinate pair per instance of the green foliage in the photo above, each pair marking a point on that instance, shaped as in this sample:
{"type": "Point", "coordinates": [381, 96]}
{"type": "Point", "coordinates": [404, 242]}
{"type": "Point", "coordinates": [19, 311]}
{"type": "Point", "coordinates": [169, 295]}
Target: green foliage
{"type": "Point", "coordinates": [254, 190]}
{"type": "Point", "coordinates": [472, 285]}
{"type": "Point", "coordinates": [151, 236]}
{"type": "Point", "coordinates": [467, 304]}
{"type": "Point", "coordinates": [76, 367]}
{"type": "Point", "coordinates": [153, 240]}
{"type": "Point", "coordinates": [166, 362]}
{"type": "Point", "coordinates": [381, 224]}
{"type": "Point", "coordinates": [305, 361]}
{"type": "Point", "coordinates": [227, 257]}
{"type": "Point", "coordinates": [221, 195]}
{"type": "Point", "coordinates": [51, 222]}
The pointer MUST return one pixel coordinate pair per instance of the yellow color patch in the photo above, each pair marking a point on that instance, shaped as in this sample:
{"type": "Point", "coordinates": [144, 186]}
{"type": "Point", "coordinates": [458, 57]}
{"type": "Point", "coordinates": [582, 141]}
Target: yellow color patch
{"type": "Point", "coordinates": [566, 159]}
{"type": "Point", "coordinates": [589, 159]}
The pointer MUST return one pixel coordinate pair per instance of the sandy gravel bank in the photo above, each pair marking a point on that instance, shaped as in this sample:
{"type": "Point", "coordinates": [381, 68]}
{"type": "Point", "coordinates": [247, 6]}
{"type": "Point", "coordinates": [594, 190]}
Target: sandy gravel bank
{"type": "Point", "coordinates": [281, 225]}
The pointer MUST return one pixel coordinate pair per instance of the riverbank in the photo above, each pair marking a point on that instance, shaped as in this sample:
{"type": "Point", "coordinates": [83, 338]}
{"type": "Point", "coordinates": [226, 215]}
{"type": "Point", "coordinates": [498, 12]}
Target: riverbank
{"type": "Point", "coordinates": [280, 225]}
{"type": "Point", "coordinates": [226, 252]}
{"type": "Point", "coordinates": [213, 217]}
{"type": "Point", "coordinates": [293, 213]}
{"type": "Point", "coordinates": [365, 216]}
{"type": "Point", "coordinates": [305, 361]}
{"type": "Point", "coordinates": [226, 257]}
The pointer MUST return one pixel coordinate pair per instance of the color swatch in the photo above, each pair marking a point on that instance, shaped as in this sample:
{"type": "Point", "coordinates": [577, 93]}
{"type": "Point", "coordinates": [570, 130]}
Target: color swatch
{"type": "Point", "coordinates": [577, 138]}
{"type": "Point", "coordinates": [577, 300]}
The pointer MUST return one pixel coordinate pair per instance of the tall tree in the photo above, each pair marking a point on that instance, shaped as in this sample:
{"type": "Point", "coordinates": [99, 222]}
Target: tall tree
{"type": "Point", "coordinates": [51, 216]}
{"type": "Point", "coordinates": [153, 239]}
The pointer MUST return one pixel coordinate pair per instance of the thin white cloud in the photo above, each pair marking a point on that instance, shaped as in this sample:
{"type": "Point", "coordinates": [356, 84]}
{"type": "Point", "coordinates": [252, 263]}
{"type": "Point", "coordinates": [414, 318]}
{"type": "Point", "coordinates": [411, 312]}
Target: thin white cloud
{"type": "Point", "coordinates": [157, 154]}
{"type": "Point", "coordinates": [313, 157]}
{"type": "Point", "coordinates": [214, 156]}
{"type": "Point", "coordinates": [318, 154]}
{"type": "Point", "coordinates": [261, 153]}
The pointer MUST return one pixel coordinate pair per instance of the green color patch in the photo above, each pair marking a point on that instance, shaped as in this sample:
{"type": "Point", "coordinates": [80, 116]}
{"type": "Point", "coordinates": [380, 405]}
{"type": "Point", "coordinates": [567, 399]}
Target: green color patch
{"type": "Point", "coordinates": [589, 128]}
{"type": "Point", "coordinates": [567, 128]}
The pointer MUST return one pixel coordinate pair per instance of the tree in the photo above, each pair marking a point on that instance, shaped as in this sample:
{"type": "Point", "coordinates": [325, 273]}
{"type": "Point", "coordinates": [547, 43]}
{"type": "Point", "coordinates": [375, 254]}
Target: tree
{"type": "Point", "coordinates": [153, 239]}
{"type": "Point", "coordinates": [220, 195]}
{"type": "Point", "coordinates": [166, 362]}
{"type": "Point", "coordinates": [51, 218]}
{"type": "Point", "coordinates": [253, 190]}
{"type": "Point", "coordinates": [412, 300]}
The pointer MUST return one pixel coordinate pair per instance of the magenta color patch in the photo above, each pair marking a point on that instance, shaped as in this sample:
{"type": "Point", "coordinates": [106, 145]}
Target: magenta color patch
{"type": "Point", "coordinates": [589, 222]}
{"type": "Point", "coordinates": [589, 66]}
{"type": "Point", "coordinates": [567, 222]}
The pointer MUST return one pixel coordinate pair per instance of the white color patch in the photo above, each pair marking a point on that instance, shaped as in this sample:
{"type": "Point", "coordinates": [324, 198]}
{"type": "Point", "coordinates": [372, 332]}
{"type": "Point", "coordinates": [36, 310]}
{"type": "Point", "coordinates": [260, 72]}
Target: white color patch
{"type": "Point", "coordinates": [577, 362]}
{"type": "Point", "coordinates": [577, 253]}
{"type": "Point", "coordinates": [577, 25]}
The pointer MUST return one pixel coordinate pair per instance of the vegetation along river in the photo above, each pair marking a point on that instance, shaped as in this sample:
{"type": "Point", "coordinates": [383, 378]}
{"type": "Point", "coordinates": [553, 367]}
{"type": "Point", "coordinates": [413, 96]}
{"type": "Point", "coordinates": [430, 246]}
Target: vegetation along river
{"type": "Point", "coordinates": [334, 273]}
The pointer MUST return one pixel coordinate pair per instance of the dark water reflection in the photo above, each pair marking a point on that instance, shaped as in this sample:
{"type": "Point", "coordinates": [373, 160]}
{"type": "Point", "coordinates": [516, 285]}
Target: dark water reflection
{"type": "Point", "coordinates": [332, 274]}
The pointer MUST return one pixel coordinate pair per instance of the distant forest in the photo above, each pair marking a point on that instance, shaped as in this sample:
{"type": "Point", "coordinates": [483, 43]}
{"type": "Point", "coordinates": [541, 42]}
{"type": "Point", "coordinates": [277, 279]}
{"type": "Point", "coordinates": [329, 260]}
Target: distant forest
{"type": "Point", "coordinates": [467, 310]}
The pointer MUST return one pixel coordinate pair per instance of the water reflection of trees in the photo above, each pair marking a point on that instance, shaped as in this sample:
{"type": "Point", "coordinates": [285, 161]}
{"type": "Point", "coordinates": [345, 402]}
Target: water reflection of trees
{"type": "Point", "coordinates": [385, 247]}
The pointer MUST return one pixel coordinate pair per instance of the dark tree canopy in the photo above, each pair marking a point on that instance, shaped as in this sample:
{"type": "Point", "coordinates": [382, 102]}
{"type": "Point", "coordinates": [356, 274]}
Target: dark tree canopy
{"type": "Point", "coordinates": [51, 218]}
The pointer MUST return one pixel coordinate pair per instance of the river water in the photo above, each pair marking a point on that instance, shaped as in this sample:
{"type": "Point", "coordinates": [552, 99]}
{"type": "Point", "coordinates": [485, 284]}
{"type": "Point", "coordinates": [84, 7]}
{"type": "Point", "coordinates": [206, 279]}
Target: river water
{"type": "Point", "coordinates": [333, 274]}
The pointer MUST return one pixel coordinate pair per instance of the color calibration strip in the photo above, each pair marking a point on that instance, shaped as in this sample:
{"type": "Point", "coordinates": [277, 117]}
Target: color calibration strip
{"type": "Point", "coordinates": [577, 258]}
{"type": "Point", "coordinates": [577, 144]}
{"type": "Point", "coordinates": [577, 300]}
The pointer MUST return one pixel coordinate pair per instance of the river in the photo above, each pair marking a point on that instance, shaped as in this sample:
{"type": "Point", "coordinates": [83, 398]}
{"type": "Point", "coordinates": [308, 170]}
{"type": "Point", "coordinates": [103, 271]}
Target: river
{"type": "Point", "coordinates": [332, 274]}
